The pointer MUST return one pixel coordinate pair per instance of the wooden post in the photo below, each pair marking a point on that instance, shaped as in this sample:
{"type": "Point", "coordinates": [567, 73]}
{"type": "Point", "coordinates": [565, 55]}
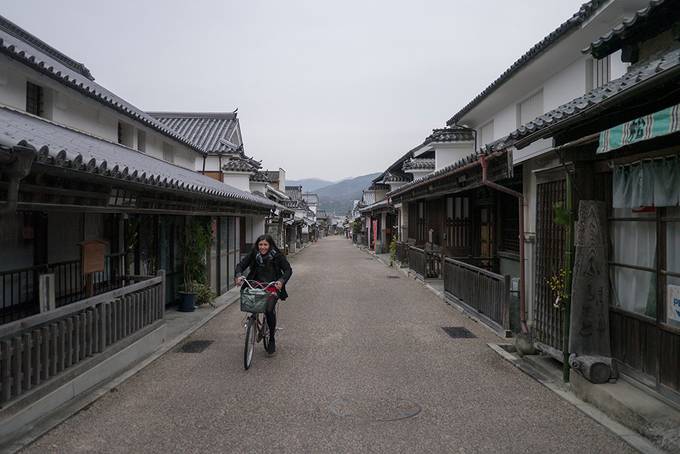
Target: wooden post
{"type": "Point", "coordinates": [161, 314]}
{"type": "Point", "coordinates": [46, 297]}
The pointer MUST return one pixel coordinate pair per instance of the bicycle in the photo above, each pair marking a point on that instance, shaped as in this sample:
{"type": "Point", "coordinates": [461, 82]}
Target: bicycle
{"type": "Point", "coordinates": [257, 299]}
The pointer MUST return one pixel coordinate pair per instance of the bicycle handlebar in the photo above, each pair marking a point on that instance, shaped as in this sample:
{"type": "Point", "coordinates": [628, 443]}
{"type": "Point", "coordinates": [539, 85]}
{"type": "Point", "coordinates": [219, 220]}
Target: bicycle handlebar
{"type": "Point", "coordinates": [261, 285]}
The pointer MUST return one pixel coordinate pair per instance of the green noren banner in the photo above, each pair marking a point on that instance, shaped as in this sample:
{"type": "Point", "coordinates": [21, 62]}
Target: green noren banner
{"type": "Point", "coordinates": [661, 123]}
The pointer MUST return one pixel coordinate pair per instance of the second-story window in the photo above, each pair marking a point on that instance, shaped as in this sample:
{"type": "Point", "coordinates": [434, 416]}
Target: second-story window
{"type": "Point", "coordinates": [598, 72]}
{"type": "Point", "coordinates": [168, 153]}
{"type": "Point", "coordinates": [141, 140]}
{"type": "Point", "coordinates": [125, 134]}
{"type": "Point", "coordinates": [35, 99]}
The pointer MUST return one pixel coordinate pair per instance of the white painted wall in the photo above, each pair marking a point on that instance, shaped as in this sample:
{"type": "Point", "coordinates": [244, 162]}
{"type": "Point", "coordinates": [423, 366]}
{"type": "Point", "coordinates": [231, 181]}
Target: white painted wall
{"type": "Point", "coordinates": [565, 85]}
{"type": "Point", "coordinates": [258, 186]}
{"type": "Point", "coordinates": [255, 226]}
{"type": "Point", "coordinates": [70, 108]}
{"type": "Point", "coordinates": [449, 153]}
{"type": "Point", "coordinates": [238, 180]}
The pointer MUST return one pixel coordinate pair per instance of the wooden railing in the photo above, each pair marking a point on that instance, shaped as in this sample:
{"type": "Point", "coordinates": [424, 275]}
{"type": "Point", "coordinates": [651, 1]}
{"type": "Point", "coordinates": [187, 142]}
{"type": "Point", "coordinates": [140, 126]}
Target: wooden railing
{"type": "Point", "coordinates": [19, 287]}
{"type": "Point", "coordinates": [417, 261]}
{"type": "Point", "coordinates": [485, 292]}
{"type": "Point", "coordinates": [36, 349]}
{"type": "Point", "coordinates": [433, 264]}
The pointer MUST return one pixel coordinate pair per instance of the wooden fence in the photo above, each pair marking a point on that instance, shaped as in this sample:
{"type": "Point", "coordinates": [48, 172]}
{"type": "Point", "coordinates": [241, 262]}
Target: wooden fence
{"type": "Point", "coordinates": [402, 252]}
{"type": "Point", "coordinates": [485, 292]}
{"type": "Point", "coordinates": [417, 261]}
{"type": "Point", "coordinates": [38, 348]}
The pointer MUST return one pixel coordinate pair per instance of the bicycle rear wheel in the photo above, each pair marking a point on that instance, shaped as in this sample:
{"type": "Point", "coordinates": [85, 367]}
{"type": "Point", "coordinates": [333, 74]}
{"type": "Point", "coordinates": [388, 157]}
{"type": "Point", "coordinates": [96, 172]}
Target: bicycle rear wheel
{"type": "Point", "coordinates": [249, 348]}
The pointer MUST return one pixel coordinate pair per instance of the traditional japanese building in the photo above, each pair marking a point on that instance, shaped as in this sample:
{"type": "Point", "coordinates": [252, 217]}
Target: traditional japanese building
{"type": "Point", "coordinates": [98, 201]}
{"type": "Point", "coordinates": [618, 144]}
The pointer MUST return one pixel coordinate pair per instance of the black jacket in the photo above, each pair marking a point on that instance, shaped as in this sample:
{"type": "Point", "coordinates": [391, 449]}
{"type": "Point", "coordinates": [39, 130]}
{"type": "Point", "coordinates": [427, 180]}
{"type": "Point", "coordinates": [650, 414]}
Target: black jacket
{"type": "Point", "coordinates": [281, 270]}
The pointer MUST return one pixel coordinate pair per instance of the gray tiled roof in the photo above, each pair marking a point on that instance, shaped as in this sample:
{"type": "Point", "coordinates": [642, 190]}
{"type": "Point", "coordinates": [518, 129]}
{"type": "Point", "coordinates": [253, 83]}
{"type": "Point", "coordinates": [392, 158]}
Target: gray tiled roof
{"type": "Point", "coordinates": [441, 173]}
{"type": "Point", "coordinates": [294, 192]}
{"type": "Point", "coordinates": [13, 29]}
{"type": "Point", "coordinates": [611, 41]}
{"type": "Point", "coordinates": [273, 175]}
{"type": "Point", "coordinates": [65, 147]}
{"type": "Point", "coordinates": [584, 13]}
{"type": "Point", "coordinates": [664, 66]}
{"type": "Point", "coordinates": [239, 165]}
{"type": "Point", "coordinates": [454, 133]}
{"type": "Point", "coordinates": [21, 46]}
{"type": "Point", "coordinates": [214, 132]}
{"type": "Point", "coordinates": [385, 203]}
{"type": "Point", "coordinates": [419, 164]}
{"type": "Point", "coordinates": [395, 178]}
{"type": "Point", "coordinates": [260, 177]}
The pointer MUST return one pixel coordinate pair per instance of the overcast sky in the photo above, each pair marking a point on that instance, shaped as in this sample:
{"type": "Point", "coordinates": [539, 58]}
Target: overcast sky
{"type": "Point", "coordinates": [324, 89]}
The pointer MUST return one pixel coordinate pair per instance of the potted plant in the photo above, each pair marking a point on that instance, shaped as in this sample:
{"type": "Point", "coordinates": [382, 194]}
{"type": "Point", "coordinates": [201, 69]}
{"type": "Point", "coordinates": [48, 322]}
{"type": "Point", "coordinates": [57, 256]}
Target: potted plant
{"type": "Point", "coordinates": [197, 239]}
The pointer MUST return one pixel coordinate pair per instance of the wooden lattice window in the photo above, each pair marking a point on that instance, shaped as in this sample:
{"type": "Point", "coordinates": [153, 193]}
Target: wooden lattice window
{"type": "Point", "coordinates": [35, 99]}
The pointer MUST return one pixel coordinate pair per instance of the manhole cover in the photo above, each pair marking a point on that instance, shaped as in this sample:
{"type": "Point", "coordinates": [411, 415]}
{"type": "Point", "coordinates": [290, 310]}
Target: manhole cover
{"type": "Point", "coordinates": [197, 346]}
{"type": "Point", "coordinates": [392, 277]}
{"type": "Point", "coordinates": [458, 332]}
{"type": "Point", "coordinates": [374, 409]}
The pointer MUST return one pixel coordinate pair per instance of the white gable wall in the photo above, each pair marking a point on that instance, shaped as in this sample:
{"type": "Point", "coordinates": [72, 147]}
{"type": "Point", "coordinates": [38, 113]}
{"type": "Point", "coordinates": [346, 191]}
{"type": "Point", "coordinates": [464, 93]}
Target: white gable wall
{"type": "Point", "coordinates": [70, 108]}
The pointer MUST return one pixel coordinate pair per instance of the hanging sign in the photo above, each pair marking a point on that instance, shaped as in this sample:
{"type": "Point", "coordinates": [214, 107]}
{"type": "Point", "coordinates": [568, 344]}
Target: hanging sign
{"type": "Point", "coordinates": [673, 303]}
{"type": "Point", "coordinates": [657, 124]}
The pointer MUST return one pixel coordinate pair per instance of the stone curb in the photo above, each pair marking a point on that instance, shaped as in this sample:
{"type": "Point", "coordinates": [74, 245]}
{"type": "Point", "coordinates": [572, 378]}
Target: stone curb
{"type": "Point", "coordinates": [632, 438]}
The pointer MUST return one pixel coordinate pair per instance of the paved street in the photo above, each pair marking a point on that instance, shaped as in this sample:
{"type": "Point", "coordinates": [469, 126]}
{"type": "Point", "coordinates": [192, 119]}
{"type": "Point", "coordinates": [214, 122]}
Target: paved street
{"type": "Point", "coordinates": [363, 366]}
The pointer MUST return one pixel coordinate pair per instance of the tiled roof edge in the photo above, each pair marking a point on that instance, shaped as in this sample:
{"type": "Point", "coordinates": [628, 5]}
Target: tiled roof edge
{"type": "Point", "coordinates": [583, 14]}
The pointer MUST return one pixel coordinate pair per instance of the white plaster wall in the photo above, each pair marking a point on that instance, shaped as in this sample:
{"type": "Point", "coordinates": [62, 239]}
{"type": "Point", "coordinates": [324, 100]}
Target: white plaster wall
{"type": "Point", "coordinates": [212, 163]}
{"type": "Point", "coordinates": [255, 226]}
{"type": "Point", "coordinates": [12, 85]}
{"type": "Point", "coordinates": [238, 180]}
{"type": "Point", "coordinates": [70, 108]}
{"type": "Point", "coordinates": [567, 84]}
{"type": "Point", "coordinates": [562, 87]}
{"type": "Point", "coordinates": [617, 68]}
{"type": "Point", "coordinates": [504, 121]}
{"type": "Point", "coordinates": [258, 186]}
{"type": "Point", "coordinates": [447, 154]}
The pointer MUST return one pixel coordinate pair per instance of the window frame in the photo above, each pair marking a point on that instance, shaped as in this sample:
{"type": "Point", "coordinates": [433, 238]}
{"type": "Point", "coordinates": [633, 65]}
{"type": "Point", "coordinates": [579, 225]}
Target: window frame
{"type": "Point", "coordinates": [660, 269]}
{"type": "Point", "coordinates": [35, 106]}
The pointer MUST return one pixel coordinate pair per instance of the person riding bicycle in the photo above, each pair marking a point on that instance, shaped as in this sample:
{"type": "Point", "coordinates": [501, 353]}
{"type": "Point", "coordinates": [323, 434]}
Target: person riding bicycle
{"type": "Point", "coordinates": [267, 264]}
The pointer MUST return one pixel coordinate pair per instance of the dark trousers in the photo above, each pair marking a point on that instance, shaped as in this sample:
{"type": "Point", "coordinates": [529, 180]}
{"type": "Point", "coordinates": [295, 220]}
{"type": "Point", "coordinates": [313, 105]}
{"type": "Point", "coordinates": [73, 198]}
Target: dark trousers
{"type": "Point", "coordinates": [270, 315]}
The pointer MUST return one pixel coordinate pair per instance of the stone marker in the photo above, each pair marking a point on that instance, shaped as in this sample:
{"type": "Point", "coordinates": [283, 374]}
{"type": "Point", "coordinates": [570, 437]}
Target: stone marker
{"type": "Point", "coordinates": [589, 329]}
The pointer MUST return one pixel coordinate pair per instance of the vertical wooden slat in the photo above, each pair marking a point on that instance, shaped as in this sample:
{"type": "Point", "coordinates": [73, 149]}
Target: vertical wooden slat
{"type": "Point", "coordinates": [104, 321]}
{"type": "Point", "coordinates": [5, 370]}
{"type": "Point", "coordinates": [96, 313]}
{"type": "Point", "coordinates": [68, 347]}
{"type": "Point", "coordinates": [37, 356]}
{"type": "Point", "coordinates": [62, 345]}
{"type": "Point", "coordinates": [17, 355]}
{"type": "Point", "coordinates": [26, 361]}
{"type": "Point", "coordinates": [90, 329]}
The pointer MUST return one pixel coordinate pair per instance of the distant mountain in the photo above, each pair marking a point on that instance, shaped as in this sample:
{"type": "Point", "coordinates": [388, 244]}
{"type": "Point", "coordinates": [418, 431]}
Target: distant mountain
{"type": "Point", "coordinates": [309, 184]}
{"type": "Point", "coordinates": [337, 198]}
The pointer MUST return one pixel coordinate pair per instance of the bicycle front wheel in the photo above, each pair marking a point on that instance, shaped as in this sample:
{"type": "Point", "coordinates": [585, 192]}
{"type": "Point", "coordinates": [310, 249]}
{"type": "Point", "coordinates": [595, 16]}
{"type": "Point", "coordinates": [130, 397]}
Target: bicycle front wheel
{"type": "Point", "coordinates": [251, 328]}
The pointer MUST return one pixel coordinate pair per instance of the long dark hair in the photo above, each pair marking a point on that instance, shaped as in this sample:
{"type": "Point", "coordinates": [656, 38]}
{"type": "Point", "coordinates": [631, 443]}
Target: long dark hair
{"type": "Point", "coordinates": [268, 239]}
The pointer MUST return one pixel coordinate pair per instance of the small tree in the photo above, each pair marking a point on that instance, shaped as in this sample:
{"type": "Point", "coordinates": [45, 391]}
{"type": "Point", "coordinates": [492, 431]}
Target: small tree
{"type": "Point", "coordinates": [197, 239]}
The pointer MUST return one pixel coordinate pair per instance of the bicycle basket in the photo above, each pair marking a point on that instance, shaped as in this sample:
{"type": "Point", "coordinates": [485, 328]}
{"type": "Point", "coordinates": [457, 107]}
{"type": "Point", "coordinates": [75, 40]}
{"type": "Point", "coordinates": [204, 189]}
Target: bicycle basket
{"type": "Point", "coordinates": [256, 300]}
